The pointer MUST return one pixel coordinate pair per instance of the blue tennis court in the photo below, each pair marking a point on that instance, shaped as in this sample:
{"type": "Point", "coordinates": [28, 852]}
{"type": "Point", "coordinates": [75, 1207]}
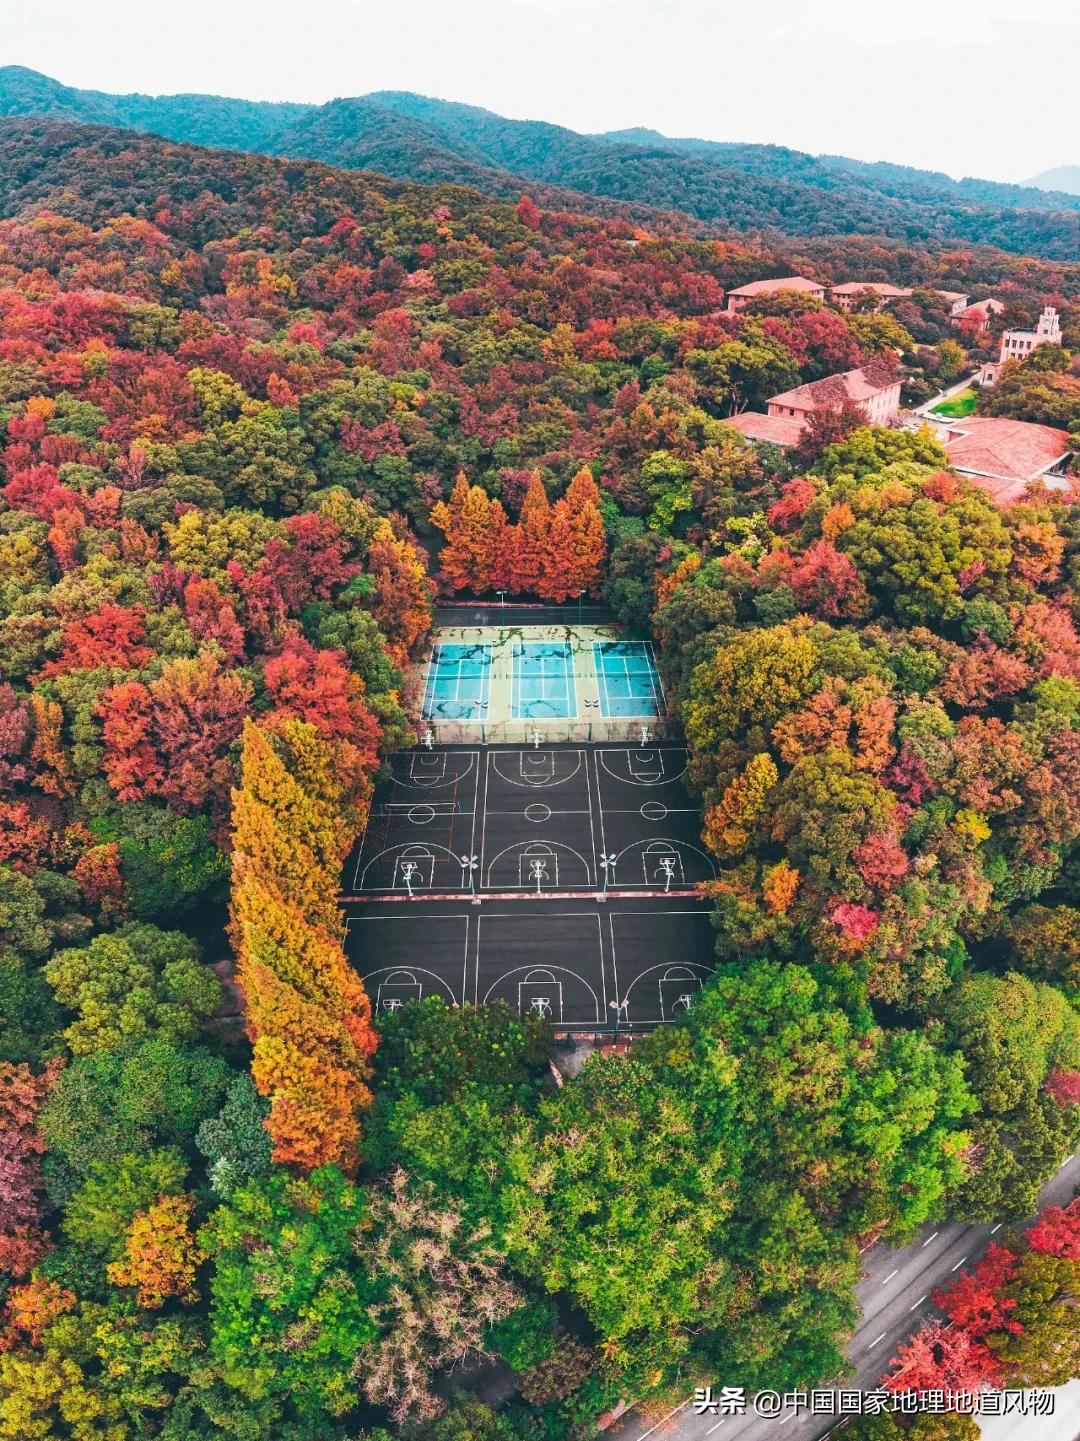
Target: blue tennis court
{"type": "Point", "coordinates": [543, 681]}
{"type": "Point", "coordinates": [458, 683]}
{"type": "Point", "coordinates": [627, 679]}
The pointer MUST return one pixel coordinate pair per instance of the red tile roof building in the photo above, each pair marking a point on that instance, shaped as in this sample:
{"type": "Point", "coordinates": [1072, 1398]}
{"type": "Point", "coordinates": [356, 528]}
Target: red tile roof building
{"type": "Point", "coordinates": [844, 296]}
{"type": "Point", "coordinates": [1004, 456]}
{"type": "Point", "coordinates": [741, 297]}
{"type": "Point", "coordinates": [981, 310]}
{"type": "Point", "coordinates": [776, 429]}
{"type": "Point", "coordinates": [874, 386]}
{"type": "Point", "coordinates": [955, 299]}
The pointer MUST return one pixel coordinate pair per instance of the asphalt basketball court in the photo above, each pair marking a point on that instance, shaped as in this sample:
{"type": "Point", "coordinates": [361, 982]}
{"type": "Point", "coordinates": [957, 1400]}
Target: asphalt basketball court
{"type": "Point", "coordinates": [559, 878]}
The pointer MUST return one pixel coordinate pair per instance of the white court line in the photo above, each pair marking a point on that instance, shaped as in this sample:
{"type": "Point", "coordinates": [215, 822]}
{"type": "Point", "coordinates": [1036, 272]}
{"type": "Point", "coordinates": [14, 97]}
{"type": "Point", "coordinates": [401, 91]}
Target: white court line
{"type": "Point", "coordinates": [958, 1264]}
{"type": "Point", "coordinates": [601, 681]}
{"type": "Point", "coordinates": [493, 758]}
{"type": "Point", "coordinates": [600, 805]}
{"type": "Point", "coordinates": [931, 1238]}
{"type": "Point", "coordinates": [875, 1341]}
{"type": "Point", "coordinates": [440, 916]}
{"type": "Point", "coordinates": [889, 1277]}
{"type": "Point", "coordinates": [700, 965]}
{"type": "Point", "coordinates": [656, 674]}
{"type": "Point", "coordinates": [668, 777]}
{"type": "Point", "coordinates": [556, 846]}
{"type": "Point", "coordinates": [536, 965]}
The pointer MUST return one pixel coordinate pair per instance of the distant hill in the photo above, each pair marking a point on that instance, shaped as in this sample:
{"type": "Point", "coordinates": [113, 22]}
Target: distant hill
{"type": "Point", "coordinates": [1061, 178]}
{"type": "Point", "coordinates": [726, 184]}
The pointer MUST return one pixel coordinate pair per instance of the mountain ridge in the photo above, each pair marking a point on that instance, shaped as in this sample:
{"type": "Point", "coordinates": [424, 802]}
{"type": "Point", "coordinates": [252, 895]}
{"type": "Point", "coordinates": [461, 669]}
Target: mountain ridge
{"type": "Point", "coordinates": [741, 186]}
{"type": "Point", "coordinates": [1065, 178]}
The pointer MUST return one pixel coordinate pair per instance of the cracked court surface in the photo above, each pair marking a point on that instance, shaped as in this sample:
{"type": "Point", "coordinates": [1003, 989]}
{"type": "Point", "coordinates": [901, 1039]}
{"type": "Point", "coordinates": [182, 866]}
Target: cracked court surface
{"type": "Point", "coordinates": [481, 871]}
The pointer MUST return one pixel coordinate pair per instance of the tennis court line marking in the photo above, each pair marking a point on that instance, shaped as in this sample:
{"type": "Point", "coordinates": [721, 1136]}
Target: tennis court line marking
{"type": "Point", "coordinates": [567, 692]}
{"type": "Point", "coordinates": [453, 671]}
{"type": "Point", "coordinates": [652, 675]}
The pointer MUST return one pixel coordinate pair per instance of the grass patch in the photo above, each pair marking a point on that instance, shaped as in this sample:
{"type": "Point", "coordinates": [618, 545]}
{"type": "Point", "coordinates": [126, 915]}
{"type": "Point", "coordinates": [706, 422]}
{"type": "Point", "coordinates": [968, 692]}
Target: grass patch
{"type": "Point", "coordinates": [959, 405]}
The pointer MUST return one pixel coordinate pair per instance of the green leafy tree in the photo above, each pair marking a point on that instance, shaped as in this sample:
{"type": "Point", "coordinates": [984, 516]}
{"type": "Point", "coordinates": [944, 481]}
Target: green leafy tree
{"type": "Point", "coordinates": [171, 866]}
{"type": "Point", "coordinates": [106, 1105]}
{"type": "Point", "coordinates": [101, 1210]}
{"type": "Point", "coordinates": [289, 1306]}
{"type": "Point", "coordinates": [132, 984]}
{"type": "Point", "coordinates": [1012, 1033]}
{"type": "Point", "coordinates": [235, 1142]}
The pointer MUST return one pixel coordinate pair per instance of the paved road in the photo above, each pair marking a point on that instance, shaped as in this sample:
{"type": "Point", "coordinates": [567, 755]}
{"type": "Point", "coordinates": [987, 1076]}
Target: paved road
{"type": "Point", "coordinates": [894, 1294]}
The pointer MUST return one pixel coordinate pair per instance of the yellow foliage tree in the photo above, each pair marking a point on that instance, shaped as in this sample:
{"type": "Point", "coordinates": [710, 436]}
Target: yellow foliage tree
{"type": "Point", "coordinates": [729, 824]}
{"type": "Point", "coordinates": [308, 1016]}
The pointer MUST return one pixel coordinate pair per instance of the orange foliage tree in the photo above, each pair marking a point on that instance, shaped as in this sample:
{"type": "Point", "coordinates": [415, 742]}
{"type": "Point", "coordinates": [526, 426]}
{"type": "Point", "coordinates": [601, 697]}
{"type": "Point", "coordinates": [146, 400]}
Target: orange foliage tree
{"type": "Point", "coordinates": [588, 541]}
{"type": "Point", "coordinates": [161, 1255]}
{"type": "Point", "coordinates": [403, 589]}
{"type": "Point", "coordinates": [308, 1017]}
{"type": "Point", "coordinates": [553, 551]}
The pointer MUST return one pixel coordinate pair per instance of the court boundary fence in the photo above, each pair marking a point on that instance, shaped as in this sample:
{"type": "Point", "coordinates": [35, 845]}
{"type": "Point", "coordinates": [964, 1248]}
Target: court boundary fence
{"type": "Point", "coordinates": [551, 732]}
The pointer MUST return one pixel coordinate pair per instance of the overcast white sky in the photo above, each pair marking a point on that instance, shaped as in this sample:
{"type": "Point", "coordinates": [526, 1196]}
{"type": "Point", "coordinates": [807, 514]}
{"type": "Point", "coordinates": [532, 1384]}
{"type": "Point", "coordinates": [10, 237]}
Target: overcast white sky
{"type": "Point", "coordinates": [923, 82]}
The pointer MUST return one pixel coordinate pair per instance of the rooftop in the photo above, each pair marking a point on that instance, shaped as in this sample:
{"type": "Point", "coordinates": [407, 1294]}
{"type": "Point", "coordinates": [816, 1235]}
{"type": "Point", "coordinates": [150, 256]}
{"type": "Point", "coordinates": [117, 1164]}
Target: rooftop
{"type": "Point", "coordinates": [768, 287]}
{"type": "Point", "coordinates": [1003, 455]}
{"type": "Point", "coordinates": [879, 287]}
{"type": "Point", "coordinates": [850, 385]}
{"type": "Point", "coordinates": [777, 429]}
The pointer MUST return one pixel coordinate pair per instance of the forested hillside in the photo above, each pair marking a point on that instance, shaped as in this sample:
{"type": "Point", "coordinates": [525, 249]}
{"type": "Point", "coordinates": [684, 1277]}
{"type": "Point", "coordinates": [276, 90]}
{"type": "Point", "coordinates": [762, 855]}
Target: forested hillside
{"type": "Point", "coordinates": [733, 185]}
{"type": "Point", "coordinates": [234, 393]}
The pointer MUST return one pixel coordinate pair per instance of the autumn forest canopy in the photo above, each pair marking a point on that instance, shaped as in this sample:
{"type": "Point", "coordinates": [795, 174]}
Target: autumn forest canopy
{"type": "Point", "coordinates": [255, 415]}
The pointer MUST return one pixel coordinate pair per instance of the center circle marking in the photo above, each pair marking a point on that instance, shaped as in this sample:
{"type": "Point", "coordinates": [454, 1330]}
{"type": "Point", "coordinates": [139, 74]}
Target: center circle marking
{"type": "Point", "coordinates": [653, 811]}
{"type": "Point", "coordinates": [421, 815]}
{"type": "Point", "coordinates": [537, 812]}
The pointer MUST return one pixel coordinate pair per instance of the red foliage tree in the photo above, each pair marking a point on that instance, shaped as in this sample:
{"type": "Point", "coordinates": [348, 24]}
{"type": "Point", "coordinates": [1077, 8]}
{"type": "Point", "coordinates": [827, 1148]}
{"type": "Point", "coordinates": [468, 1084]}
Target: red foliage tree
{"type": "Point", "coordinates": [942, 1358]}
{"type": "Point", "coordinates": [825, 583]}
{"type": "Point", "coordinates": [111, 636]}
{"type": "Point", "coordinates": [22, 1190]}
{"type": "Point", "coordinates": [1057, 1232]}
{"type": "Point", "coordinates": [976, 1302]}
{"type": "Point", "coordinates": [172, 738]}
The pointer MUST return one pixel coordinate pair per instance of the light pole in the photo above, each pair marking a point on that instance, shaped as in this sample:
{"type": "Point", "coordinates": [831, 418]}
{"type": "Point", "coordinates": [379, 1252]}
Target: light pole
{"type": "Point", "coordinates": [502, 596]}
{"type": "Point", "coordinates": [621, 1008]}
{"type": "Point", "coordinates": [608, 864]}
{"type": "Point", "coordinates": [580, 594]}
{"type": "Point", "coordinates": [469, 865]}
